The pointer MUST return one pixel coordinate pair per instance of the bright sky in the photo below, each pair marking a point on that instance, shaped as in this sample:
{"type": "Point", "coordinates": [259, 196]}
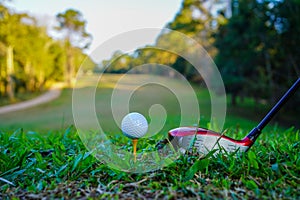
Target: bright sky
{"type": "Point", "coordinates": [107, 18]}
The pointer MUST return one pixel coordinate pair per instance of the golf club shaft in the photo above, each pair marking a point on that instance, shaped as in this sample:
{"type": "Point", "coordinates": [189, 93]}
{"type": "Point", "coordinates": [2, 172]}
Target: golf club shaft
{"type": "Point", "coordinates": [257, 130]}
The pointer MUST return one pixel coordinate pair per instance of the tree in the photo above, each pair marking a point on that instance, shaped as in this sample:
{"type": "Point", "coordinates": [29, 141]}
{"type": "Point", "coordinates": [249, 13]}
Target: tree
{"type": "Point", "coordinates": [72, 25]}
{"type": "Point", "coordinates": [9, 34]}
{"type": "Point", "coordinates": [30, 60]}
{"type": "Point", "coordinates": [118, 63]}
{"type": "Point", "coordinates": [288, 24]}
{"type": "Point", "coordinates": [234, 41]}
{"type": "Point", "coordinates": [257, 48]}
{"type": "Point", "coordinates": [196, 20]}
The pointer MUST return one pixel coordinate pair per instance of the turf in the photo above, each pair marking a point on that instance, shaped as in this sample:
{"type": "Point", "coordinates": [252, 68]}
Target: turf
{"type": "Point", "coordinates": [41, 155]}
{"type": "Point", "coordinates": [57, 115]}
{"type": "Point", "coordinates": [57, 165]}
{"type": "Point", "coordinates": [21, 96]}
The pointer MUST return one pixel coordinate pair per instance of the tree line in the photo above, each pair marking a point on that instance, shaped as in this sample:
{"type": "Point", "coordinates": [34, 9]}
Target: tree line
{"type": "Point", "coordinates": [31, 60]}
{"type": "Point", "coordinates": [254, 43]}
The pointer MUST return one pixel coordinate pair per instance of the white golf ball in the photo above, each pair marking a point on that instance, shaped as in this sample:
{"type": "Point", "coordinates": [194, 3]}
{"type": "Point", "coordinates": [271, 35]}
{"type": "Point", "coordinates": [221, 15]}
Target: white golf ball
{"type": "Point", "coordinates": [134, 125]}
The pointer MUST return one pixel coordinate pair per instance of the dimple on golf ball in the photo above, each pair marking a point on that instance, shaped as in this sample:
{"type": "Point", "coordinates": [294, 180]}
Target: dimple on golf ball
{"type": "Point", "coordinates": [134, 125]}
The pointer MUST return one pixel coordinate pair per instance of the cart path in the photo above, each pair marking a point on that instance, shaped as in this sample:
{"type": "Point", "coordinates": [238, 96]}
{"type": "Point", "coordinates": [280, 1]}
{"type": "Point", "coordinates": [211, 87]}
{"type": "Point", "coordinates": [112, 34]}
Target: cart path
{"type": "Point", "coordinates": [50, 95]}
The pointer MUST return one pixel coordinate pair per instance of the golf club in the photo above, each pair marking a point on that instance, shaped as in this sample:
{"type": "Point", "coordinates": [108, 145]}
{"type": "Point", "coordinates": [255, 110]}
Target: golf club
{"type": "Point", "coordinates": [206, 140]}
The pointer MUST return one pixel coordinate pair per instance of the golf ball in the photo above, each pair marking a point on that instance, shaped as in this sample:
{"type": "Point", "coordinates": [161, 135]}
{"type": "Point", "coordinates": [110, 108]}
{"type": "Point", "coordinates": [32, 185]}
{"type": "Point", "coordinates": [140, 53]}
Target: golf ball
{"type": "Point", "coordinates": [134, 125]}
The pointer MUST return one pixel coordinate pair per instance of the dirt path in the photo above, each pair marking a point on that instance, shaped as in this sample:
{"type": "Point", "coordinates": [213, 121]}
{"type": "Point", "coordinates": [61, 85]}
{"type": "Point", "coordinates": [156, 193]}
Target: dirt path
{"type": "Point", "coordinates": [52, 94]}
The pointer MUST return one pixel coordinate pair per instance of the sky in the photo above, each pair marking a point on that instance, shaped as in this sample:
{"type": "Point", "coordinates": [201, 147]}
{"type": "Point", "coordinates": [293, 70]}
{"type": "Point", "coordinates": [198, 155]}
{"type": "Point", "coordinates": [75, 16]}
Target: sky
{"type": "Point", "coordinates": [106, 18]}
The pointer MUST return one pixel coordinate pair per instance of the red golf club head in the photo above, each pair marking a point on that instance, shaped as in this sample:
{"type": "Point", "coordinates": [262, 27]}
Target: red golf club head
{"type": "Point", "coordinates": [204, 140]}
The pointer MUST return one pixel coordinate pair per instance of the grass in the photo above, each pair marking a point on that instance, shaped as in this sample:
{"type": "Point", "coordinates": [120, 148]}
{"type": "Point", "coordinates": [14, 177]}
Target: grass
{"type": "Point", "coordinates": [22, 96]}
{"type": "Point", "coordinates": [57, 115]}
{"type": "Point", "coordinates": [57, 165]}
{"type": "Point", "coordinates": [41, 155]}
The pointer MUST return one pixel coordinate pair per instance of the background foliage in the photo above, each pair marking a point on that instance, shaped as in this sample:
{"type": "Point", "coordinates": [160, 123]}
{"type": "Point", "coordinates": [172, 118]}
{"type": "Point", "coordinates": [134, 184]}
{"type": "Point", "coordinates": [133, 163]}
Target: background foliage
{"type": "Point", "coordinates": [255, 46]}
{"type": "Point", "coordinates": [30, 60]}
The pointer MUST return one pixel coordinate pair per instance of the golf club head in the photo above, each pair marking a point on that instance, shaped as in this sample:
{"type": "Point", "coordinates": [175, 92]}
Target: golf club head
{"type": "Point", "coordinates": [183, 138]}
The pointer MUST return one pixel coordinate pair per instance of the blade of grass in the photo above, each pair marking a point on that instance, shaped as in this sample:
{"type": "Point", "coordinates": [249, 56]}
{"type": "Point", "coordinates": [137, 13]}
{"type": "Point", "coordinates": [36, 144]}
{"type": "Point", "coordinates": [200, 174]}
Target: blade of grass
{"type": "Point", "coordinates": [6, 181]}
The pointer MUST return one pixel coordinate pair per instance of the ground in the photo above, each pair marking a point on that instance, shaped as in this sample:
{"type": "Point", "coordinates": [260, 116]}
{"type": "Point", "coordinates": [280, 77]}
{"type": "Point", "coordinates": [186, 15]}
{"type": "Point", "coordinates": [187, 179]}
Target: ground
{"type": "Point", "coordinates": [42, 155]}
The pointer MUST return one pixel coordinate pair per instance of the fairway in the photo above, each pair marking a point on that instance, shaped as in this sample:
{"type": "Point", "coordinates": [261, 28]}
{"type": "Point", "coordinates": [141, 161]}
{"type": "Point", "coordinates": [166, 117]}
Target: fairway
{"type": "Point", "coordinates": [57, 115]}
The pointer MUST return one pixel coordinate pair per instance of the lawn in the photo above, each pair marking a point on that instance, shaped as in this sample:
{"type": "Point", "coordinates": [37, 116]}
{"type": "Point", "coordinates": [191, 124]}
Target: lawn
{"type": "Point", "coordinates": [21, 96]}
{"type": "Point", "coordinates": [41, 154]}
{"type": "Point", "coordinates": [57, 115]}
{"type": "Point", "coordinates": [57, 165]}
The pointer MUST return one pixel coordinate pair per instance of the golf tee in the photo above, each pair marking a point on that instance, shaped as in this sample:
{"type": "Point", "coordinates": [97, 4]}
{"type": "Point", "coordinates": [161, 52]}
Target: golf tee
{"type": "Point", "coordinates": [134, 142]}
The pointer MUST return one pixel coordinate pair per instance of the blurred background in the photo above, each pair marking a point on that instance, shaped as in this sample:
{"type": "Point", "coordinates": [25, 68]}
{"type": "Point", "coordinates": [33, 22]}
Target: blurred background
{"type": "Point", "coordinates": [254, 43]}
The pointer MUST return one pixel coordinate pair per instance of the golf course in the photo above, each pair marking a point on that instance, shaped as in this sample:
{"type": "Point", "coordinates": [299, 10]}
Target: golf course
{"type": "Point", "coordinates": [42, 154]}
{"type": "Point", "coordinates": [57, 114]}
{"type": "Point", "coordinates": [172, 99]}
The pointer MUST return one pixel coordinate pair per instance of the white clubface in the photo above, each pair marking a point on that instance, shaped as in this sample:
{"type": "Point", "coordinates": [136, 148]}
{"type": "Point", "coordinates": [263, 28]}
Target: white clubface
{"type": "Point", "coordinates": [134, 125]}
{"type": "Point", "coordinates": [206, 143]}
